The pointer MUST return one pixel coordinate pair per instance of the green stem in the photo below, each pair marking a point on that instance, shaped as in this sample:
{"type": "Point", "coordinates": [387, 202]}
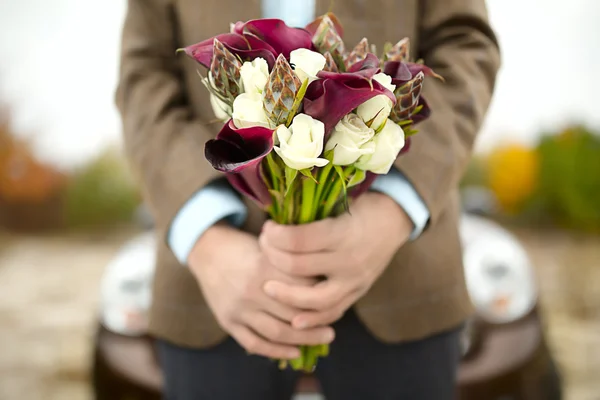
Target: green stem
{"type": "Point", "coordinates": [323, 181]}
{"type": "Point", "coordinates": [332, 198]}
{"type": "Point", "coordinates": [308, 198]}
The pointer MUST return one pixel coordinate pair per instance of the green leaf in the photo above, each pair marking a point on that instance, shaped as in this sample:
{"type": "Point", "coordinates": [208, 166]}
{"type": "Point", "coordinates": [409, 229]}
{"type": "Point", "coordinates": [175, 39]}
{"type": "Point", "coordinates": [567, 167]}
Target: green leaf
{"type": "Point", "coordinates": [297, 102]}
{"type": "Point", "coordinates": [410, 132]}
{"type": "Point", "coordinates": [358, 177]}
{"type": "Point", "coordinates": [297, 363]}
{"type": "Point", "coordinates": [277, 195]}
{"type": "Point", "coordinates": [386, 48]}
{"type": "Point", "coordinates": [308, 173]}
{"type": "Point", "coordinates": [381, 126]}
{"type": "Point", "coordinates": [328, 155]}
{"type": "Point", "coordinates": [340, 172]}
{"type": "Point", "coordinates": [274, 169]}
{"type": "Point", "coordinates": [370, 122]}
{"type": "Point", "coordinates": [310, 360]}
{"type": "Point", "coordinates": [290, 176]}
{"type": "Point", "coordinates": [406, 122]}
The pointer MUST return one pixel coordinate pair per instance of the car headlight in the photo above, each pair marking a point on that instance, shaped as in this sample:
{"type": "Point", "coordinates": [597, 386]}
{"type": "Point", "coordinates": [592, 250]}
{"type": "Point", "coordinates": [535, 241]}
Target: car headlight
{"type": "Point", "coordinates": [499, 275]}
{"type": "Point", "coordinates": [126, 287]}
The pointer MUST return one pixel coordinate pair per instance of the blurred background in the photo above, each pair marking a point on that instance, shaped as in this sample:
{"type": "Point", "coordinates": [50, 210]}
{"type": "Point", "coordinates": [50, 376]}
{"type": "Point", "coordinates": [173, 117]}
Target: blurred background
{"type": "Point", "coordinates": [68, 202]}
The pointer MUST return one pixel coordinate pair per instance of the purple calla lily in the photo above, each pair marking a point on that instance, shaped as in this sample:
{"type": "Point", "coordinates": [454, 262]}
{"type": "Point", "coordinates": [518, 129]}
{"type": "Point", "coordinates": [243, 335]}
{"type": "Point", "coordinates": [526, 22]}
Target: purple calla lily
{"type": "Point", "coordinates": [399, 72]}
{"type": "Point", "coordinates": [266, 38]}
{"type": "Point", "coordinates": [328, 100]}
{"type": "Point", "coordinates": [364, 69]}
{"type": "Point", "coordinates": [402, 72]}
{"type": "Point", "coordinates": [423, 114]}
{"type": "Point", "coordinates": [277, 34]}
{"type": "Point", "coordinates": [337, 94]}
{"type": "Point", "coordinates": [202, 52]}
{"type": "Point", "coordinates": [238, 153]}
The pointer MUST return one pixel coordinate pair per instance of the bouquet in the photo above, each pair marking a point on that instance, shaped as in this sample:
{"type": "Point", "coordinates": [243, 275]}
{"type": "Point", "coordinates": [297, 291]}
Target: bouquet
{"type": "Point", "coordinates": [308, 125]}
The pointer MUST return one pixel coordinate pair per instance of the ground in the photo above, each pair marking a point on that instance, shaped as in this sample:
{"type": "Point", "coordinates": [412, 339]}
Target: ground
{"type": "Point", "coordinates": [49, 297]}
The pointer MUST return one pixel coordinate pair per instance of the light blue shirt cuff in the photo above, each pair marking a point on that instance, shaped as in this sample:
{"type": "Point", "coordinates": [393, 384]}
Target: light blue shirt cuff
{"type": "Point", "coordinates": [209, 205]}
{"type": "Point", "coordinates": [395, 185]}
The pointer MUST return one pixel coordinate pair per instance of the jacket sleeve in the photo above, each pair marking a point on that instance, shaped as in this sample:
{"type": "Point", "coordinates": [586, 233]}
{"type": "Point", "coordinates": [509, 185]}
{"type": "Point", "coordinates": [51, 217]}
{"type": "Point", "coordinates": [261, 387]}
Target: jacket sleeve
{"type": "Point", "coordinates": [455, 40]}
{"type": "Point", "coordinates": [164, 140]}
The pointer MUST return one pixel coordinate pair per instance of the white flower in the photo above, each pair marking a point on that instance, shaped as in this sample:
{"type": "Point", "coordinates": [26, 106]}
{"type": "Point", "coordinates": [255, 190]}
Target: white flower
{"type": "Point", "coordinates": [307, 63]}
{"type": "Point", "coordinates": [379, 107]}
{"type": "Point", "coordinates": [255, 75]}
{"type": "Point", "coordinates": [386, 145]}
{"type": "Point", "coordinates": [301, 145]}
{"type": "Point", "coordinates": [348, 138]}
{"type": "Point", "coordinates": [221, 109]}
{"type": "Point", "coordinates": [248, 111]}
{"type": "Point", "coordinates": [385, 81]}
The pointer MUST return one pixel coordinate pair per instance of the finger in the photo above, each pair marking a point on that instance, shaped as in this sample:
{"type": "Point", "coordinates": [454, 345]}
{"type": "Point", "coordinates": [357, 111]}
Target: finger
{"type": "Point", "coordinates": [319, 297]}
{"type": "Point", "coordinates": [281, 311]}
{"type": "Point", "coordinates": [254, 344]}
{"type": "Point", "coordinates": [311, 319]}
{"type": "Point", "coordinates": [279, 332]}
{"type": "Point", "coordinates": [298, 264]}
{"type": "Point", "coordinates": [324, 235]}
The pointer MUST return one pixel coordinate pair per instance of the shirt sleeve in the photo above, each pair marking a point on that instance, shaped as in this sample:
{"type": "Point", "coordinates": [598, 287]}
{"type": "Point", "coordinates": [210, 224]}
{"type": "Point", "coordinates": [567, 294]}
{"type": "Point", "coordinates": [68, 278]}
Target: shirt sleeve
{"type": "Point", "coordinates": [216, 201]}
{"type": "Point", "coordinates": [395, 185]}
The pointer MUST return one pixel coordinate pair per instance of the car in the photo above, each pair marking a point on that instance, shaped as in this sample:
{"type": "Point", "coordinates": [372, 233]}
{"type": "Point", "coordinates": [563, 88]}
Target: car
{"type": "Point", "coordinates": [505, 354]}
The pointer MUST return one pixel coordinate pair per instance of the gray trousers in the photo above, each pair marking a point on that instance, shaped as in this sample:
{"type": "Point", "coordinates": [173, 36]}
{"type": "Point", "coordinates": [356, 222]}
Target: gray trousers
{"type": "Point", "coordinates": [358, 368]}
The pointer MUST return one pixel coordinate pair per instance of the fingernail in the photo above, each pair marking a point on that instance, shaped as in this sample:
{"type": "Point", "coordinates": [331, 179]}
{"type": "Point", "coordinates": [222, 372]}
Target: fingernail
{"type": "Point", "coordinates": [328, 337]}
{"type": "Point", "coordinates": [270, 289]}
{"type": "Point", "coordinates": [301, 324]}
{"type": "Point", "coordinates": [266, 225]}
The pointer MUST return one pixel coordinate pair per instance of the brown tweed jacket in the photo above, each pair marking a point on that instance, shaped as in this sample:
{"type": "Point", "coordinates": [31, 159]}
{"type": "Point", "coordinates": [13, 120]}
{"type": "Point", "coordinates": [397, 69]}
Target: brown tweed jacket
{"type": "Point", "coordinates": [166, 113]}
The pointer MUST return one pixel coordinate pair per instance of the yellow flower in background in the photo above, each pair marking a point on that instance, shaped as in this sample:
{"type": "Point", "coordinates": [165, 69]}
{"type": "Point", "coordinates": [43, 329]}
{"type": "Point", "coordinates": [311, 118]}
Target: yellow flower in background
{"type": "Point", "coordinates": [512, 175]}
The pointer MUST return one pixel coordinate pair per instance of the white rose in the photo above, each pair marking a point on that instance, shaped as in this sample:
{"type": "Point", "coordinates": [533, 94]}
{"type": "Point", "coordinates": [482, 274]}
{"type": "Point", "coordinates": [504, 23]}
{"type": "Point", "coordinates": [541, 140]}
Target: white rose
{"type": "Point", "coordinates": [307, 63]}
{"type": "Point", "coordinates": [348, 138]}
{"type": "Point", "coordinates": [255, 75]}
{"type": "Point", "coordinates": [379, 107]}
{"type": "Point", "coordinates": [385, 81]}
{"type": "Point", "coordinates": [301, 145]}
{"type": "Point", "coordinates": [248, 111]}
{"type": "Point", "coordinates": [386, 145]}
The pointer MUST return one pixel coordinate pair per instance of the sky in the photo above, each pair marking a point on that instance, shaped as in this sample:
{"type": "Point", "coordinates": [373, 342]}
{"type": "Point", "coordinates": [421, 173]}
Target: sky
{"type": "Point", "coordinates": [59, 60]}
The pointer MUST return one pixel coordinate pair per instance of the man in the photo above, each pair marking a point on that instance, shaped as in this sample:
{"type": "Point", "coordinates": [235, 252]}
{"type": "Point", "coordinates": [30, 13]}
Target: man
{"type": "Point", "coordinates": [394, 297]}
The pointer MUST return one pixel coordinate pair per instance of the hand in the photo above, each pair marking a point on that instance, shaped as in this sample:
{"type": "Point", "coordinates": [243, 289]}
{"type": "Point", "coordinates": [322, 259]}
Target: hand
{"type": "Point", "coordinates": [231, 272]}
{"type": "Point", "coordinates": [351, 251]}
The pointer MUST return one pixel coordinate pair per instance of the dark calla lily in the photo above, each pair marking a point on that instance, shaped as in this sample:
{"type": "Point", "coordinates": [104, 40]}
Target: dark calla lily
{"type": "Point", "coordinates": [423, 114]}
{"type": "Point", "coordinates": [282, 38]}
{"type": "Point", "coordinates": [399, 72]}
{"type": "Point", "coordinates": [266, 38]}
{"type": "Point", "coordinates": [415, 68]}
{"type": "Point", "coordinates": [202, 52]}
{"type": "Point", "coordinates": [328, 100]}
{"type": "Point", "coordinates": [364, 69]}
{"type": "Point", "coordinates": [238, 153]}
{"type": "Point", "coordinates": [238, 27]}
